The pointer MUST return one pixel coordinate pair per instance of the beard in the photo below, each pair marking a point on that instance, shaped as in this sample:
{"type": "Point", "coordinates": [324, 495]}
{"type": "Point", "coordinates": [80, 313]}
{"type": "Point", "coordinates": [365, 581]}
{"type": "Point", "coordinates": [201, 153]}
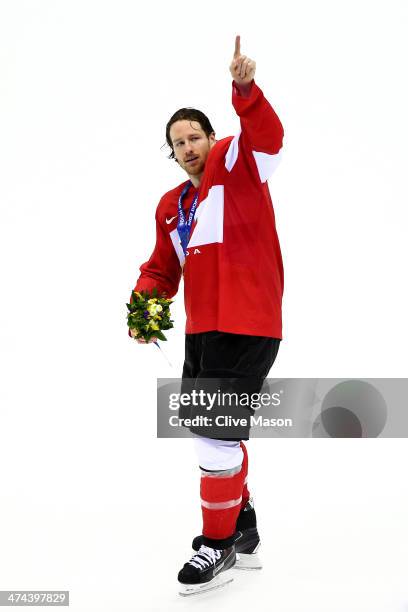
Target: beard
{"type": "Point", "coordinates": [197, 168]}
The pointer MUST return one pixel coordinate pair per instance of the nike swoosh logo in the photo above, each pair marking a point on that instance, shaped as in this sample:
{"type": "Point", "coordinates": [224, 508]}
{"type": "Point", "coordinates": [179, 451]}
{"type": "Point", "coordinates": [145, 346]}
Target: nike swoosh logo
{"type": "Point", "coordinates": [170, 220]}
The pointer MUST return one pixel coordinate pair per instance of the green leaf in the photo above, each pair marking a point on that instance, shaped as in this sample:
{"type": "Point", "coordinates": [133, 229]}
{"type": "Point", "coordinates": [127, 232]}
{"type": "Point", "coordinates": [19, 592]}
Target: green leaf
{"type": "Point", "coordinates": [159, 335]}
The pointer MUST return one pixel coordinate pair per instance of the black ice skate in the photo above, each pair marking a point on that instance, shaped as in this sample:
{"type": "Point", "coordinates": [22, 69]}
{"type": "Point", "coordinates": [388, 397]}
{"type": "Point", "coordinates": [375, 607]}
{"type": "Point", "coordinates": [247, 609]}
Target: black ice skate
{"type": "Point", "coordinates": [247, 541]}
{"type": "Point", "coordinates": [206, 570]}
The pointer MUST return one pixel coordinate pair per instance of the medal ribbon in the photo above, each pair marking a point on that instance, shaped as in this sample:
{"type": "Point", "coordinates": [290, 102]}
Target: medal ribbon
{"type": "Point", "coordinates": [183, 225]}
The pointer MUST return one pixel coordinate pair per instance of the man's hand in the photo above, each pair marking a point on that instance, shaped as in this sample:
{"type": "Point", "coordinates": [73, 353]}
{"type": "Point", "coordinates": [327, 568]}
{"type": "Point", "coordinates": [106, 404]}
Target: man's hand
{"type": "Point", "coordinates": [141, 340]}
{"type": "Point", "coordinates": [242, 68]}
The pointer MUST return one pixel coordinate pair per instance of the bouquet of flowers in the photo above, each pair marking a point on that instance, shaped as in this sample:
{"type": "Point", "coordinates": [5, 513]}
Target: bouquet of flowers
{"type": "Point", "coordinates": [149, 315]}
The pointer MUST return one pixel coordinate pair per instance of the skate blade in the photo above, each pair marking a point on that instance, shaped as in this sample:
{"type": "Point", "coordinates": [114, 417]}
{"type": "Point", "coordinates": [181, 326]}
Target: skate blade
{"type": "Point", "coordinates": [197, 589]}
{"type": "Point", "coordinates": [248, 562]}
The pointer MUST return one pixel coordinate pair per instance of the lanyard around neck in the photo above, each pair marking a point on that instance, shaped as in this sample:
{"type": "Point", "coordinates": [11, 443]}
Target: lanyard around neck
{"type": "Point", "coordinates": [184, 225]}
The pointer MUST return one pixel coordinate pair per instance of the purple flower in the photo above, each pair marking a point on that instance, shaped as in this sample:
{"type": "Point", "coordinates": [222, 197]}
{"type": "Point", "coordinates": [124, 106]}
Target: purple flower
{"type": "Point", "coordinates": [146, 314]}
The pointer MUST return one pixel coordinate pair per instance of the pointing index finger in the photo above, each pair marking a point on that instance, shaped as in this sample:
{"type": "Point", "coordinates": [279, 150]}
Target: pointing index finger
{"type": "Point", "coordinates": [237, 51]}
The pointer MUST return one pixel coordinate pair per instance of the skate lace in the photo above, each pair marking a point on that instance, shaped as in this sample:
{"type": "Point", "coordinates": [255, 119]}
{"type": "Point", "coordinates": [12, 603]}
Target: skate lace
{"type": "Point", "coordinates": [205, 557]}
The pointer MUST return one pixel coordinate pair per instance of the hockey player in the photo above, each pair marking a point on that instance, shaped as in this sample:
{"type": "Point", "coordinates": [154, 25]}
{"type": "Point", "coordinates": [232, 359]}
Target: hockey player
{"type": "Point", "coordinates": [217, 229]}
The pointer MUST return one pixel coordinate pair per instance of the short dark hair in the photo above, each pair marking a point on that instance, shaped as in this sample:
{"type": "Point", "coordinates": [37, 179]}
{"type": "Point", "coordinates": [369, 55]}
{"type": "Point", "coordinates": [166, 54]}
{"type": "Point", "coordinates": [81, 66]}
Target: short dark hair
{"type": "Point", "coordinates": [190, 114]}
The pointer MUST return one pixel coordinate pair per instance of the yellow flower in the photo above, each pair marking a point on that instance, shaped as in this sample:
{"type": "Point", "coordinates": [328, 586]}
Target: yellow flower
{"type": "Point", "coordinates": [152, 300]}
{"type": "Point", "coordinates": [153, 309]}
{"type": "Point", "coordinates": [153, 326]}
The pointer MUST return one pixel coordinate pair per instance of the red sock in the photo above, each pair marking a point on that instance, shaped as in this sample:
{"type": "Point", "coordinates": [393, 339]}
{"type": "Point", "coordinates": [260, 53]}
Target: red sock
{"type": "Point", "coordinates": [245, 492]}
{"type": "Point", "coordinates": [221, 498]}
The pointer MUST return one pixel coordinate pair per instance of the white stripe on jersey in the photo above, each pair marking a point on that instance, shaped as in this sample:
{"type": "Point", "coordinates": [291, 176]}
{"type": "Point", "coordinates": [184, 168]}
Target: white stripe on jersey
{"type": "Point", "coordinates": [266, 164]}
{"type": "Point", "coordinates": [210, 219]}
{"type": "Point", "coordinates": [231, 155]}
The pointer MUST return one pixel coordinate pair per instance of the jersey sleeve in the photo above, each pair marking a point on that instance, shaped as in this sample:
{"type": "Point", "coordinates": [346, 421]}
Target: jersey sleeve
{"type": "Point", "coordinates": [163, 269]}
{"type": "Point", "coordinates": [261, 129]}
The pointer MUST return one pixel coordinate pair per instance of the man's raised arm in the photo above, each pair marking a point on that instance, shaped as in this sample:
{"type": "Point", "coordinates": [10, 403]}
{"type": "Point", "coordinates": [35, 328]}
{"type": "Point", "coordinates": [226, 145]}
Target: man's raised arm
{"type": "Point", "coordinates": [260, 124]}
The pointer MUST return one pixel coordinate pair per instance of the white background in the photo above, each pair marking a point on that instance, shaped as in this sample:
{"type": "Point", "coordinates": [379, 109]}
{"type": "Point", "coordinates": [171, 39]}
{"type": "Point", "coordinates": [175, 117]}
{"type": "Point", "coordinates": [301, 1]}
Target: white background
{"type": "Point", "coordinates": [90, 500]}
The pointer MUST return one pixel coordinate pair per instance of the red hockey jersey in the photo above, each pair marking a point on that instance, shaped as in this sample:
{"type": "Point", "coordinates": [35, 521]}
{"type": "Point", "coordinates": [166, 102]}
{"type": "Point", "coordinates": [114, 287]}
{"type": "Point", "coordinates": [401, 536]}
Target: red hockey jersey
{"type": "Point", "coordinates": [233, 272]}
